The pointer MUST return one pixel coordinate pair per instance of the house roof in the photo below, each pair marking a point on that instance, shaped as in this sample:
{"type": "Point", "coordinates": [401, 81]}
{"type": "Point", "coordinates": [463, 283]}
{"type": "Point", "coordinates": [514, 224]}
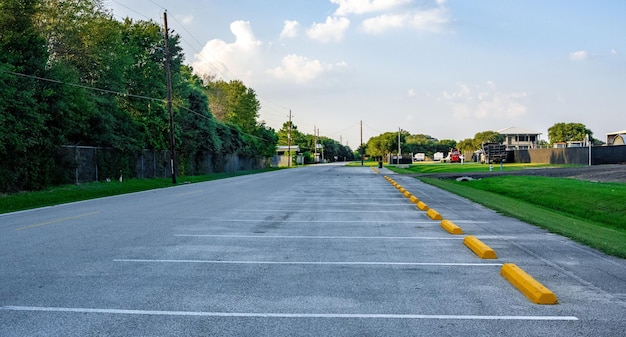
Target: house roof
{"type": "Point", "coordinates": [616, 133]}
{"type": "Point", "coordinates": [285, 148]}
{"type": "Point", "coordinates": [517, 131]}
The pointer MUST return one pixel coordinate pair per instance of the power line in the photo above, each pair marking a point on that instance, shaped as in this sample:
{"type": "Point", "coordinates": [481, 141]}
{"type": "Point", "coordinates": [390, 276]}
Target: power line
{"type": "Point", "coordinates": [118, 93]}
{"type": "Point", "coordinates": [130, 9]}
{"type": "Point", "coordinates": [81, 86]}
{"type": "Point", "coordinates": [220, 69]}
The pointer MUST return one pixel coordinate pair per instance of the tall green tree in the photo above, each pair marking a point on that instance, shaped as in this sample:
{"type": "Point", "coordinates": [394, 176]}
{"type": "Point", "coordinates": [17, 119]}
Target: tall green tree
{"type": "Point", "coordinates": [232, 102]}
{"type": "Point", "coordinates": [565, 132]}
{"type": "Point", "coordinates": [26, 145]}
{"type": "Point", "coordinates": [487, 137]}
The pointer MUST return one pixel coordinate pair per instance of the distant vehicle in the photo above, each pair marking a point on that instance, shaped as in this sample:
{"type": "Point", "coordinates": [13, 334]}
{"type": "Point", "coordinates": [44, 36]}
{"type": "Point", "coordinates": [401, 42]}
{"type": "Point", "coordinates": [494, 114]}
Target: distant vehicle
{"type": "Point", "coordinates": [454, 156]}
{"type": "Point", "coordinates": [419, 157]}
{"type": "Point", "coordinates": [493, 153]}
{"type": "Point", "coordinates": [438, 156]}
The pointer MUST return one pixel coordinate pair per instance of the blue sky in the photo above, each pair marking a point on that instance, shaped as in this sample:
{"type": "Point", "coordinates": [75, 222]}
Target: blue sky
{"type": "Point", "coordinates": [446, 68]}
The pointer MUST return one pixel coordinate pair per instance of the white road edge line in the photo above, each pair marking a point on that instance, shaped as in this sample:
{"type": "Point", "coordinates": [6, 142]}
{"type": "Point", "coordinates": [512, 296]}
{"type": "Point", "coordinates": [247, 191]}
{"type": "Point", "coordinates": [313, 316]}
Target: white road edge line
{"type": "Point", "coordinates": [330, 263]}
{"type": "Point", "coordinates": [283, 315]}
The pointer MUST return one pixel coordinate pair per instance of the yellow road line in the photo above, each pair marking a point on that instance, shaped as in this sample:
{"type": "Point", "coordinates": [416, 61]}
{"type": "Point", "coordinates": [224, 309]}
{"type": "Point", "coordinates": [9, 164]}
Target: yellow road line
{"type": "Point", "coordinates": [56, 221]}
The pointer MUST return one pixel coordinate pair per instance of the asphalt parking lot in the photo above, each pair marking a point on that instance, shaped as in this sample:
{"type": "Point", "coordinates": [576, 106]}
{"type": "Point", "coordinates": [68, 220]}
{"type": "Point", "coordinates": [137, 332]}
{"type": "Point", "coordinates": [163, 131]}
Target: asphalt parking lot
{"type": "Point", "coordinates": [316, 251]}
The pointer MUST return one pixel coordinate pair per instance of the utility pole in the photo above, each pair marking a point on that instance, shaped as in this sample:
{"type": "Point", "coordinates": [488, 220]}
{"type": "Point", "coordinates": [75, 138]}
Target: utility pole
{"type": "Point", "coordinates": [315, 143]}
{"type": "Point", "coordinates": [173, 161]}
{"type": "Point", "coordinates": [289, 141]}
{"type": "Point", "coordinates": [321, 145]}
{"type": "Point", "coordinates": [361, 142]}
{"type": "Point", "coordinates": [399, 150]}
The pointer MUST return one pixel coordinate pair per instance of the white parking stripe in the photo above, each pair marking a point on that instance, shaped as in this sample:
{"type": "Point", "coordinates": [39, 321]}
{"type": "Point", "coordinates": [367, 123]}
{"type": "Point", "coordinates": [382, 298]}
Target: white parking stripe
{"type": "Point", "coordinates": [326, 221]}
{"type": "Point", "coordinates": [321, 237]}
{"type": "Point", "coordinates": [329, 263]}
{"type": "Point", "coordinates": [284, 315]}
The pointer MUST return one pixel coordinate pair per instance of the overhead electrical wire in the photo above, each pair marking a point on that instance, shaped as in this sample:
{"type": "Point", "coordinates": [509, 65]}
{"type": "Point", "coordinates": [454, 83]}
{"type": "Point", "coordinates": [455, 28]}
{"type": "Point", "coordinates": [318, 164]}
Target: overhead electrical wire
{"type": "Point", "coordinates": [118, 93]}
{"type": "Point", "coordinates": [219, 67]}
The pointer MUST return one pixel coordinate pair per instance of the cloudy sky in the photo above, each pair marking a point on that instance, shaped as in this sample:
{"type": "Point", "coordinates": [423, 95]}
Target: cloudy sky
{"type": "Point", "coordinates": [445, 68]}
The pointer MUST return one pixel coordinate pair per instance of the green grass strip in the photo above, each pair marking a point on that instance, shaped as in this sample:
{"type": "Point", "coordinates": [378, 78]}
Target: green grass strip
{"type": "Point", "coordinates": [612, 241]}
{"type": "Point", "coordinates": [72, 193]}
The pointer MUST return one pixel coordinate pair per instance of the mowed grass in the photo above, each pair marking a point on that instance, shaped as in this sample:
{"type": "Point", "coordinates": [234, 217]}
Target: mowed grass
{"type": "Point", "coordinates": [71, 193]}
{"type": "Point", "coordinates": [591, 213]}
{"type": "Point", "coordinates": [437, 167]}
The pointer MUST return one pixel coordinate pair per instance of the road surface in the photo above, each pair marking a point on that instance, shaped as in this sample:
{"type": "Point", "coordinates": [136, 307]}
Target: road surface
{"type": "Point", "coordinates": [326, 250]}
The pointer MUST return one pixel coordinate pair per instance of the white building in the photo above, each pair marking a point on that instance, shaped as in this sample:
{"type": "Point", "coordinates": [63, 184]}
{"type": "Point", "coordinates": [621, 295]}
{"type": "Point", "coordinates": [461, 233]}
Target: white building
{"type": "Point", "coordinates": [519, 139]}
{"type": "Point", "coordinates": [616, 138]}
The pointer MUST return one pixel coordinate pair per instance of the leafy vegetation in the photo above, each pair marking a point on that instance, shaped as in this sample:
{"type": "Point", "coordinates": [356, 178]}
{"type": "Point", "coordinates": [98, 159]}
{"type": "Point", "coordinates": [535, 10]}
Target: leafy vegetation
{"type": "Point", "coordinates": [565, 132]}
{"type": "Point", "coordinates": [586, 212]}
{"type": "Point", "coordinates": [387, 143]}
{"type": "Point", "coordinates": [333, 150]}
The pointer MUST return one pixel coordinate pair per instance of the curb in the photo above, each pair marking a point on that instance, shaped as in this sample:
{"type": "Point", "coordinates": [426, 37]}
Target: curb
{"type": "Point", "coordinates": [434, 214]}
{"type": "Point", "coordinates": [450, 227]}
{"type": "Point", "coordinates": [479, 248]}
{"type": "Point", "coordinates": [530, 287]}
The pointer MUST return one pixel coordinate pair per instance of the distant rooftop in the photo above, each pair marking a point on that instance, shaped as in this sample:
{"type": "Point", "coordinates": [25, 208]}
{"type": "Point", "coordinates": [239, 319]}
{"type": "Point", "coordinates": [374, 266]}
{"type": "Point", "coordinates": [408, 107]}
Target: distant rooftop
{"type": "Point", "coordinates": [517, 131]}
{"type": "Point", "coordinates": [616, 133]}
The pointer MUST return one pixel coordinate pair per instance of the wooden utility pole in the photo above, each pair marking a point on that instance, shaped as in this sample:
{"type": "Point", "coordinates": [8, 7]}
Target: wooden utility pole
{"type": "Point", "coordinates": [361, 143]}
{"type": "Point", "coordinates": [315, 143]}
{"type": "Point", "coordinates": [289, 141]}
{"type": "Point", "coordinates": [399, 150]}
{"type": "Point", "coordinates": [168, 74]}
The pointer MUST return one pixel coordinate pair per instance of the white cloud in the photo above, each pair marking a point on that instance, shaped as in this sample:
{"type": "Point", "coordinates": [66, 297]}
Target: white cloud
{"type": "Point", "coordinates": [347, 7]}
{"type": "Point", "coordinates": [432, 20]}
{"type": "Point", "coordinates": [580, 55]}
{"type": "Point", "coordinates": [231, 60]}
{"type": "Point", "coordinates": [483, 102]}
{"type": "Point", "coordinates": [290, 30]}
{"type": "Point", "coordinates": [300, 69]}
{"type": "Point", "coordinates": [411, 93]}
{"type": "Point", "coordinates": [613, 52]}
{"type": "Point", "coordinates": [332, 30]}
{"type": "Point", "coordinates": [186, 19]}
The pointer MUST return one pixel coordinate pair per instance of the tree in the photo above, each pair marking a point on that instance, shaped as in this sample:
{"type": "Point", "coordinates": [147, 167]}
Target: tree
{"type": "Point", "coordinates": [445, 145]}
{"type": "Point", "coordinates": [487, 137]}
{"type": "Point", "coordinates": [383, 144]}
{"type": "Point", "coordinates": [26, 144]}
{"type": "Point", "coordinates": [232, 102]}
{"type": "Point", "coordinates": [565, 132]}
{"type": "Point", "coordinates": [421, 143]}
{"type": "Point", "coordinates": [297, 138]}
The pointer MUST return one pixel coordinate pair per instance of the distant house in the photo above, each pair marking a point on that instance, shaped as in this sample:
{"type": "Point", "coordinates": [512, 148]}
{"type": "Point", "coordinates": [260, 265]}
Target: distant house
{"type": "Point", "coordinates": [282, 157]}
{"type": "Point", "coordinates": [616, 138]}
{"type": "Point", "coordinates": [282, 150]}
{"type": "Point", "coordinates": [519, 139]}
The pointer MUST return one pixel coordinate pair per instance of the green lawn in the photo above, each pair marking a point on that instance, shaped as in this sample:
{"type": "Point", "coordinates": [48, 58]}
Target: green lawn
{"type": "Point", "coordinates": [587, 212]}
{"type": "Point", "coordinates": [70, 193]}
{"type": "Point", "coordinates": [437, 167]}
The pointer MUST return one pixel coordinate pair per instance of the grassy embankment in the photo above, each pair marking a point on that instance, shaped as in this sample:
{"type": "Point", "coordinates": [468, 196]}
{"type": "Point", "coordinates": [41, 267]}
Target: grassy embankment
{"type": "Point", "coordinates": [70, 193]}
{"type": "Point", "coordinates": [588, 212]}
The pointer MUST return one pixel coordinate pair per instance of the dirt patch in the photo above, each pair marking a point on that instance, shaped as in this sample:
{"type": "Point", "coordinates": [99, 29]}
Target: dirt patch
{"type": "Point", "coordinates": [601, 173]}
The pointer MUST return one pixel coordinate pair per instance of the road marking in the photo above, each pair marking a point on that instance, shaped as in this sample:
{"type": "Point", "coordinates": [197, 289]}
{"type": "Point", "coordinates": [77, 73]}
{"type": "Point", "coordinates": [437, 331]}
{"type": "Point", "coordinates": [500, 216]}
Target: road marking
{"type": "Point", "coordinates": [321, 237]}
{"type": "Point", "coordinates": [284, 315]}
{"type": "Point", "coordinates": [57, 221]}
{"type": "Point", "coordinates": [324, 221]}
{"type": "Point", "coordinates": [317, 211]}
{"type": "Point", "coordinates": [320, 263]}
